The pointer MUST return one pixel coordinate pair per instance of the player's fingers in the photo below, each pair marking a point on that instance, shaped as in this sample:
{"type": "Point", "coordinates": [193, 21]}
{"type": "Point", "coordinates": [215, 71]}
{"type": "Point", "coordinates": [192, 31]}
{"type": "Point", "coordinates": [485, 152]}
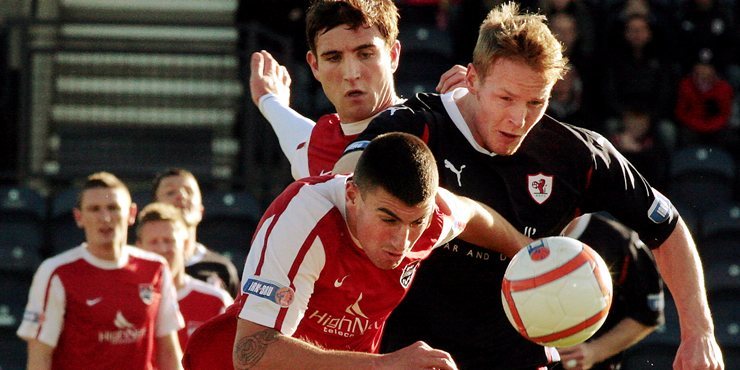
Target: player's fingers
{"type": "Point", "coordinates": [271, 65]}
{"type": "Point", "coordinates": [256, 65]}
{"type": "Point", "coordinates": [285, 75]}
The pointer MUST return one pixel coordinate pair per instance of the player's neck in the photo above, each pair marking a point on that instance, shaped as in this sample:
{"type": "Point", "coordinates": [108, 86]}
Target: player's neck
{"type": "Point", "coordinates": [106, 252]}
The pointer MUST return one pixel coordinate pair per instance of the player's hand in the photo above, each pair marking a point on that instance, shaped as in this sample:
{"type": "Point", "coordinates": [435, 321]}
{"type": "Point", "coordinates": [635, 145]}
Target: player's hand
{"type": "Point", "coordinates": [578, 357]}
{"type": "Point", "coordinates": [698, 353]}
{"type": "Point", "coordinates": [417, 356]}
{"type": "Point", "coordinates": [453, 78]}
{"type": "Point", "coordinates": [268, 76]}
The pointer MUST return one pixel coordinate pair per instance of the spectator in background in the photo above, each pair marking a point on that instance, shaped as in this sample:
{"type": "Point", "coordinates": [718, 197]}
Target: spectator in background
{"type": "Point", "coordinates": [104, 304]}
{"type": "Point", "coordinates": [637, 306]}
{"type": "Point", "coordinates": [644, 141]}
{"type": "Point", "coordinates": [637, 72]}
{"type": "Point", "coordinates": [707, 26]}
{"type": "Point", "coordinates": [178, 187]}
{"type": "Point", "coordinates": [566, 100]}
{"type": "Point", "coordinates": [572, 97]}
{"type": "Point", "coordinates": [583, 16]}
{"type": "Point", "coordinates": [704, 105]}
{"type": "Point", "coordinates": [161, 229]}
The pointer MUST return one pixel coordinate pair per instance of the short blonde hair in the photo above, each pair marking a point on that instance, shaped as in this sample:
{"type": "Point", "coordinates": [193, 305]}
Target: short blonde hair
{"type": "Point", "coordinates": [159, 211]}
{"type": "Point", "coordinates": [524, 37]}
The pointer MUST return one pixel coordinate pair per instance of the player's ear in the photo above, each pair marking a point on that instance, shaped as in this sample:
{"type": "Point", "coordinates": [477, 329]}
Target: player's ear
{"type": "Point", "coordinates": [312, 62]}
{"type": "Point", "coordinates": [471, 79]}
{"type": "Point", "coordinates": [353, 192]}
{"type": "Point", "coordinates": [395, 55]}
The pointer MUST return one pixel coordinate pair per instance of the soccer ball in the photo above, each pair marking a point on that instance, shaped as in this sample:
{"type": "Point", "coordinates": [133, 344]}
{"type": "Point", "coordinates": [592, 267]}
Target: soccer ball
{"type": "Point", "coordinates": [557, 291]}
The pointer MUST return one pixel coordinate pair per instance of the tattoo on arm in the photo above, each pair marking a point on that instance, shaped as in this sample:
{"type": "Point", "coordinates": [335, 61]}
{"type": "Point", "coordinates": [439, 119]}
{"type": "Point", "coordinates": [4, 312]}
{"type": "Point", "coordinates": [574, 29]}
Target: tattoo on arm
{"type": "Point", "coordinates": [249, 350]}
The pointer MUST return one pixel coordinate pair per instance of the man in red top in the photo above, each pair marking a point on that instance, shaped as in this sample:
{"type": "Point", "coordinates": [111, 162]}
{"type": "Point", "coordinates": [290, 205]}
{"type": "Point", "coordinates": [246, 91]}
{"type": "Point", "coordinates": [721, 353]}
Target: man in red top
{"type": "Point", "coordinates": [354, 52]}
{"type": "Point", "coordinates": [104, 304]}
{"type": "Point", "coordinates": [333, 256]}
{"type": "Point", "coordinates": [162, 230]}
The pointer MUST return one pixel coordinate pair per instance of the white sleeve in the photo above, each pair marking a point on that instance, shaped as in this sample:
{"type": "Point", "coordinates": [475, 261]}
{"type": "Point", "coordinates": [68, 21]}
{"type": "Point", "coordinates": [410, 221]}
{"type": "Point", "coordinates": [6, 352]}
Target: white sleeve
{"type": "Point", "coordinates": [277, 255]}
{"type": "Point", "coordinates": [169, 318]}
{"type": "Point", "coordinates": [40, 322]}
{"type": "Point", "coordinates": [291, 128]}
{"type": "Point", "coordinates": [454, 215]}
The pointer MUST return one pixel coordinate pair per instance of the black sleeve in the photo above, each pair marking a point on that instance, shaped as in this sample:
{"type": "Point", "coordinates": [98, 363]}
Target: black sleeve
{"type": "Point", "coordinates": [642, 287]}
{"type": "Point", "coordinates": [402, 118]}
{"type": "Point", "coordinates": [615, 186]}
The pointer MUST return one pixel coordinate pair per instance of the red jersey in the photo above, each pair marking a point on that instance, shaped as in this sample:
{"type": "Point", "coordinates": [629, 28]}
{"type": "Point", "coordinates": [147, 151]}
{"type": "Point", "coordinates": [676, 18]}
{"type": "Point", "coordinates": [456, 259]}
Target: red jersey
{"type": "Point", "coordinates": [302, 249]}
{"type": "Point", "coordinates": [101, 314]}
{"type": "Point", "coordinates": [317, 155]}
{"type": "Point", "coordinates": [199, 302]}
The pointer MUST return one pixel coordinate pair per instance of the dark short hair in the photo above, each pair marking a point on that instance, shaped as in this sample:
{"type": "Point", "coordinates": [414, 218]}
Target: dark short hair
{"type": "Point", "coordinates": [324, 15]}
{"type": "Point", "coordinates": [159, 211]}
{"type": "Point", "coordinates": [170, 172]}
{"type": "Point", "coordinates": [104, 180]}
{"type": "Point", "coordinates": [400, 163]}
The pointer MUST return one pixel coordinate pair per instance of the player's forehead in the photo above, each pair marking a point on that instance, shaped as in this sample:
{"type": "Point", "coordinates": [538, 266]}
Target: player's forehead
{"type": "Point", "coordinates": [177, 182]}
{"type": "Point", "coordinates": [102, 196]}
{"type": "Point", "coordinates": [381, 201]}
{"type": "Point", "coordinates": [159, 228]}
{"type": "Point", "coordinates": [342, 38]}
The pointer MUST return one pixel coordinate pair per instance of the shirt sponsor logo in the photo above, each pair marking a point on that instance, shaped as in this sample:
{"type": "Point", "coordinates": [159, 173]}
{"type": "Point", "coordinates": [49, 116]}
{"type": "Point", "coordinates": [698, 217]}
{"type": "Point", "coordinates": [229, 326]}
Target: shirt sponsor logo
{"type": "Point", "coordinates": [146, 293]}
{"type": "Point", "coordinates": [538, 251]}
{"type": "Point", "coordinates": [540, 187]}
{"type": "Point", "coordinates": [127, 333]}
{"type": "Point", "coordinates": [270, 290]}
{"type": "Point", "coordinates": [354, 323]}
{"type": "Point", "coordinates": [408, 273]}
{"type": "Point", "coordinates": [661, 209]}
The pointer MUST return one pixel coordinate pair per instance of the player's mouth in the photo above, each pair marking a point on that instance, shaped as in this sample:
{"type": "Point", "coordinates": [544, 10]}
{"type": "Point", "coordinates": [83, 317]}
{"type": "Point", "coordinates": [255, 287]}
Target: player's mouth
{"type": "Point", "coordinates": [354, 93]}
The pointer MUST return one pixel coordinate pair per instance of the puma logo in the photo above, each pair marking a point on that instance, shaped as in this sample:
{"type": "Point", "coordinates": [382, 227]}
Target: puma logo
{"type": "Point", "coordinates": [454, 170]}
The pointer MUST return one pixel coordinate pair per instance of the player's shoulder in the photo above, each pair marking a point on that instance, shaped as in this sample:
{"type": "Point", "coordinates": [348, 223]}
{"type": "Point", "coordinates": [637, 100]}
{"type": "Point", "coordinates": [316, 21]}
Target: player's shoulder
{"type": "Point", "coordinates": [51, 264]}
{"type": "Point", "coordinates": [204, 288]}
{"type": "Point", "coordinates": [327, 120]}
{"type": "Point", "coordinates": [140, 254]}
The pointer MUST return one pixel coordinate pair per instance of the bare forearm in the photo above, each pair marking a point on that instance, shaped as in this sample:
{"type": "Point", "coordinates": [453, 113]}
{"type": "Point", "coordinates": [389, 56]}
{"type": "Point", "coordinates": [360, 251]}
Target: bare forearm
{"type": "Point", "coordinates": [39, 355]}
{"type": "Point", "coordinates": [268, 349]}
{"type": "Point", "coordinates": [489, 229]}
{"type": "Point", "coordinates": [169, 353]}
{"type": "Point", "coordinates": [680, 267]}
{"type": "Point", "coordinates": [622, 336]}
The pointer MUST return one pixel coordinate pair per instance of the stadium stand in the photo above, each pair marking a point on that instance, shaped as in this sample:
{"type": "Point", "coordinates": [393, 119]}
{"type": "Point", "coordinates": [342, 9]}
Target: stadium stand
{"type": "Point", "coordinates": [22, 228]}
{"type": "Point", "coordinates": [229, 220]}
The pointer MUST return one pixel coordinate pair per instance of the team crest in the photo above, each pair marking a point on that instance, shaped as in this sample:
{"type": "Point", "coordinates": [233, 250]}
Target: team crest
{"type": "Point", "coordinates": [408, 273]}
{"type": "Point", "coordinates": [146, 292]}
{"type": "Point", "coordinates": [540, 187]}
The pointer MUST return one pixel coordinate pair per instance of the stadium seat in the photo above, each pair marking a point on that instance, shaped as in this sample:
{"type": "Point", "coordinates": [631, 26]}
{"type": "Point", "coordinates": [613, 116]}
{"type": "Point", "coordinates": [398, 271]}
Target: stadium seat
{"type": "Point", "coordinates": [722, 275]}
{"type": "Point", "coordinates": [642, 357]}
{"type": "Point", "coordinates": [13, 349]}
{"type": "Point", "coordinates": [64, 233]}
{"type": "Point", "coordinates": [13, 297]}
{"type": "Point", "coordinates": [22, 221]}
{"type": "Point", "coordinates": [720, 234]}
{"type": "Point", "coordinates": [724, 306]}
{"type": "Point", "coordinates": [228, 223]}
{"type": "Point", "coordinates": [702, 177]}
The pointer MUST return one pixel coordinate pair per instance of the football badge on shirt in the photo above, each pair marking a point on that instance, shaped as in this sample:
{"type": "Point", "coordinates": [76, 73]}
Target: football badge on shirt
{"type": "Point", "coordinates": [540, 187]}
{"type": "Point", "coordinates": [269, 290]}
{"type": "Point", "coordinates": [146, 292]}
{"type": "Point", "coordinates": [408, 273]}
